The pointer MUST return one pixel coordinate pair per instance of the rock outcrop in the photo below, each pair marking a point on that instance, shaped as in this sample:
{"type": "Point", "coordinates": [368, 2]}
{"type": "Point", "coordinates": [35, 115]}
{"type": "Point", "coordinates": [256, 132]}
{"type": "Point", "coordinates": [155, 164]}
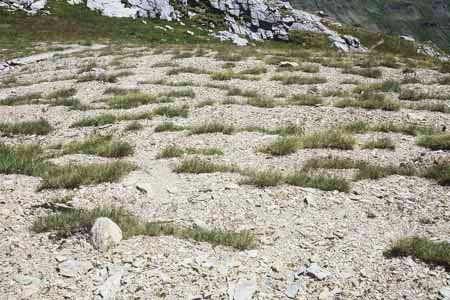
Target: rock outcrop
{"type": "Point", "coordinates": [252, 19]}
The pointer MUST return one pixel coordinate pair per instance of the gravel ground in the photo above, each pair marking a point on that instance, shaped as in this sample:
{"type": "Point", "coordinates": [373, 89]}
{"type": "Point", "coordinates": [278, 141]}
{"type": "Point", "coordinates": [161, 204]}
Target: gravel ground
{"type": "Point", "coordinates": [344, 233]}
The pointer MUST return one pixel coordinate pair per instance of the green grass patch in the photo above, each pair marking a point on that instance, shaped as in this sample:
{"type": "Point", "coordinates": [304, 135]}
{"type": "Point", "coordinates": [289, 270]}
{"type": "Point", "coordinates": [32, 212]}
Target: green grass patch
{"type": "Point", "coordinates": [382, 143]}
{"type": "Point", "coordinates": [263, 102]}
{"type": "Point", "coordinates": [175, 151]}
{"type": "Point", "coordinates": [213, 127]}
{"type": "Point", "coordinates": [77, 221]}
{"type": "Point", "coordinates": [370, 101]}
{"type": "Point", "coordinates": [172, 111]}
{"type": "Point", "coordinates": [324, 183]}
{"type": "Point", "coordinates": [305, 100]}
{"type": "Point", "coordinates": [242, 93]}
{"type": "Point", "coordinates": [168, 126]}
{"type": "Point", "coordinates": [72, 176]}
{"type": "Point", "coordinates": [440, 172]}
{"type": "Point", "coordinates": [434, 253]}
{"type": "Point", "coordinates": [130, 100]}
{"type": "Point", "coordinates": [369, 73]}
{"type": "Point", "coordinates": [300, 80]}
{"type": "Point", "coordinates": [104, 146]}
{"type": "Point", "coordinates": [282, 146]}
{"type": "Point", "coordinates": [438, 141]}
{"type": "Point", "coordinates": [328, 139]}
{"type": "Point", "coordinates": [99, 120]}
{"type": "Point", "coordinates": [40, 127]}
{"type": "Point", "coordinates": [32, 98]}
{"type": "Point", "coordinates": [199, 166]}
{"type": "Point", "coordinates": [263, 179]}
{"type": "Point", "coordinates": [26, 160]}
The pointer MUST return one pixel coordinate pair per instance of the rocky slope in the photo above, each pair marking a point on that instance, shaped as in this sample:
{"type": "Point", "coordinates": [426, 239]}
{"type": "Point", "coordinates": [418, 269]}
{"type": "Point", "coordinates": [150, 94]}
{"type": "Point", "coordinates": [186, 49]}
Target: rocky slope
{"type": "Point", "coordinates": [424, 20]}
{"type": "Point", "coordinates": [310, 243]}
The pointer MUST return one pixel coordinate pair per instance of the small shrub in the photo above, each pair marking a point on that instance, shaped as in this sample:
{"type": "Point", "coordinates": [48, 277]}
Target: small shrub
{"type": "Point", "coordinates": [41, 127]}
{"type": "Point", "coordinates": [440, 172]}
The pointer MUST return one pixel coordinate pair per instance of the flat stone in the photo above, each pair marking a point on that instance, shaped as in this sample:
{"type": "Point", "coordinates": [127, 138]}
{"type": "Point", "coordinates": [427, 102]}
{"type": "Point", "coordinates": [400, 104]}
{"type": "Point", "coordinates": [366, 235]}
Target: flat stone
{"type": "Point", "coordinates": [317, 272]}
{"type": "Point", "coordinates": [245, 289]}
{"type": "Point", "coordinates": [73, 268]}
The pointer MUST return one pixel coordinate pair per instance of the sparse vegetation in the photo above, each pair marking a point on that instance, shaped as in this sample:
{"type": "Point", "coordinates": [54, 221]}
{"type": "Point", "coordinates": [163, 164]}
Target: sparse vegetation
{"type": "Point", "coordinates": [333, 139]}
{"type": "Point", "coordinates": [438, 141]}
{"type": "Point", "coordinates": [175, 151]}
{"type": "Point", "coordinates": [370, 72]}
{"type": "Point", "coordinates": [99, 145]}
{"type": "Point", "coordinates": [21, 100]}
{"type": "Point", "coordinates": [319, 182]}
{"type": "Point", "coordinates": [282, 146]}
{"type": "Point", "coordinates": [382, 143]}
{"type": "Point", "coordinates": [76, 221]}
{"type": "Point", "coordinates": [262, 179]}
{"type": "Point", "coordinates": [263, 102]}
{"type": "Point", "coordinates": [243, 93]}
{"type": "Point", "coordinates": [300, 80]}
{"type": "Point", "coordinates": [198, 166]}
{"type": "Point", "coordinates": [134, 126]}
{"type": "Point", "coordinates": [72, 175]}
{"type": "Point", "coordinates": [40, 127]}
{"type": "Point", "coordinates": [168, 126]}
{"type": "Point", "coordinates": [26, 160]}
{"type": "Point", "coordinates": [434, 253]}
{"type": "Point", "coordinates": [99, 120]}
{"type": "Point", "coordinates": [172, 111]}
{"type": "Point", "coordinates": [305, 99]}
{"type": "Point", "coordinates": [370, 101]}
{"type": "Point", "coordinates": [62, 93]}
{"type": "Point", "coordinates": [212, 127]}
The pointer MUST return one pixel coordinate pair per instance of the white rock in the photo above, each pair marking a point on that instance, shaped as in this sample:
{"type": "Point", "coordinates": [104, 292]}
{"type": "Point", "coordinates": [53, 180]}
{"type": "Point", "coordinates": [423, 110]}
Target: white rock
{"type": "Point", "coordinates": [105, 234]}
{"type": "Point", "coordinates": [317, 272]}
{"type": "Point", "coordinates": [73, 268]}
{"type": "Point", "coordinates": [287, 64]}
{"type": "Point", "coordinates": [244, 289]}
{"type": "Point", "coordinates": [111, 286]}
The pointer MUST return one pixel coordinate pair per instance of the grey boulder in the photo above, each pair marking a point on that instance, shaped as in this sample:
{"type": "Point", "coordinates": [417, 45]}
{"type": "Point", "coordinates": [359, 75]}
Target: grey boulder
{"type": "Point", "coordinates": [105, 234]}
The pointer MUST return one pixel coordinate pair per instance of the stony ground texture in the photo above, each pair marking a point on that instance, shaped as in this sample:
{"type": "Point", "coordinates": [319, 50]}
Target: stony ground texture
{"type": "Point", "coordinates": [345, 234]}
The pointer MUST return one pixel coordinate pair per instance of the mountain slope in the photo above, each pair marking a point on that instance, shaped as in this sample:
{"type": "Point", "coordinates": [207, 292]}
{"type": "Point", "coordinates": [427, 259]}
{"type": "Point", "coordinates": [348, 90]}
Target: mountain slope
{"type": "Point", "coordinates": [425, 20]}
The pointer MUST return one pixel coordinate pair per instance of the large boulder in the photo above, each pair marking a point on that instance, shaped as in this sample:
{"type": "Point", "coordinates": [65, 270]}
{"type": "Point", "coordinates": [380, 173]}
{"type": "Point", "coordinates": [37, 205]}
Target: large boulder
{"type": "Point", "coordinates": [30, 6]}
{"type": "Point", "coordinates": [160, 9]}
{"type": "Point", "coordinates": [105, 234]}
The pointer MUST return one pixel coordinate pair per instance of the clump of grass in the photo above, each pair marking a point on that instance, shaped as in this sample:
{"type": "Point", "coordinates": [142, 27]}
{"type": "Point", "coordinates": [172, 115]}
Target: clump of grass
{"type": "Point", "coordinates": [262, 179]}
{"type": "Point", "coordinates": [370, 101]}
{"type": "Point", "coordinates": [72, 176]}
{"type": "Point", "coordinates": [168, 126]}
{"type": "Point", "coordinates": [134, 126]}
{"type": "Point", "coordinates": [435, 253]}
{"type": "Point", "coordinates": [205, 103]}
{"type": "Point", "coordinates": [120, 91]}
{"type": "Point", "coordinates": [263, 102]}
{"type": "Point", "coordinates": [98, 77]}
{"type": "Point", "coordinates": [199, 166]}
{"type": "Point", "coordinates": [332, 163]}
{"type": "Point", "coordinates": [71, 103]}
{"type": "Point", "coordinates": [438, 141]}
{"type": "Point", "coordinates": [222, 76]}
{"type": "Point", "coordinates": [289, 129]}
{"type": "Point", "coordinates": [228, 65]}
{"type": "Point", "coordinates": [130, 100]}
{"type": "Point", "coordinates": [75, 221]}
{"type": "Point", "coordinates": [254, 71]}
{"type": "Point", "coordinates": [440, 172]}
{"type": "Point", "coordinates": [175, 151]}
{"type": "Point", "coordinates": [172, 111]}
{"type": "Point", "coordinates": [305, 99]}
{"type": "Point", "coordinates": [434, 107]}
{"type": "Point", "coordinates": [181, 70]}
{"type": "Point", "coordinates": [300, 80]}
{"type": "Point", "coordinates": [243, 93]}
{"type": "Point", "coordinates": [164, 64]}
{"type": "Point", "coordinates": [408, 129]}
{"type": "Point", "coordinates": [309, 68]}
{"type": "Point", "coordinates": [444, 80]}
{"type": "Point", "coordinates": [104, 146]}
{"type": "Point", "coordinates": [40, 127]}
{"type": "Point", "coordinates": [356, 127]}
{"type": "Point", "coordinates": [21, 100]}
{"type": "Point", "coordinates": [62, 93]}
{"type": "Point", "coordinates": [332, 139]}
{"type": "Point", "coordinates": [335, 93]}
{"type": "Point", "coordinates": [228, 56]}
{"type": "Point", "coordinates": [319, 182]}
{"type": "Point", "coordinates": [385, 86]}
{"type": "Point", "coordinates": [212, 127]}
{"type": "Point", "coordinates": [370, 72]}
{"type": "Point", "coordinates": [189, 93]}
{"type": "Point", "coordinates": [26, 160]}
{"type": "Point", "coordinates": [382, 143]}
{"type": "Point", "coordinates": [96, 121]}
{"type": "Point", "coordinates": [282, 146]}
{"type": "Point", "coordinates": [368, 171]}
{"type": "Point", "coordinates": [413, 95]}
{"type": "Point", "coordinates": [88, 67]}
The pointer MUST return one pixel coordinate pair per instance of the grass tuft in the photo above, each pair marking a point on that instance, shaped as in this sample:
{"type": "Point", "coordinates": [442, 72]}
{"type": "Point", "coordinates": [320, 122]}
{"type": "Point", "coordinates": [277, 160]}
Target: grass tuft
{"type": "Point", "coordinates": [199, 166]}
{"type": "Point", "coordinates": [370, 101]}
{"type": "Point", "coordinates": [383, 143]}
{"type": "Point", "coordinates": [262, 179]}
{"type": "Point", "coordinates": [212, 127]}
{"type": "Point", "coordinates": [305, 99]}
{"type": "Point", "coordinates": [175, 151]}
{"type": "Point", "coordinates": [41, 127]}
{"type": "Point", "coordinates": [168, 126]}
{"type": "Point", "coordinates": [99, 145]}
{"type": "Point", "coordinates": [300, 80]}
{"type": "Point", "coordinates": [438, 141]}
